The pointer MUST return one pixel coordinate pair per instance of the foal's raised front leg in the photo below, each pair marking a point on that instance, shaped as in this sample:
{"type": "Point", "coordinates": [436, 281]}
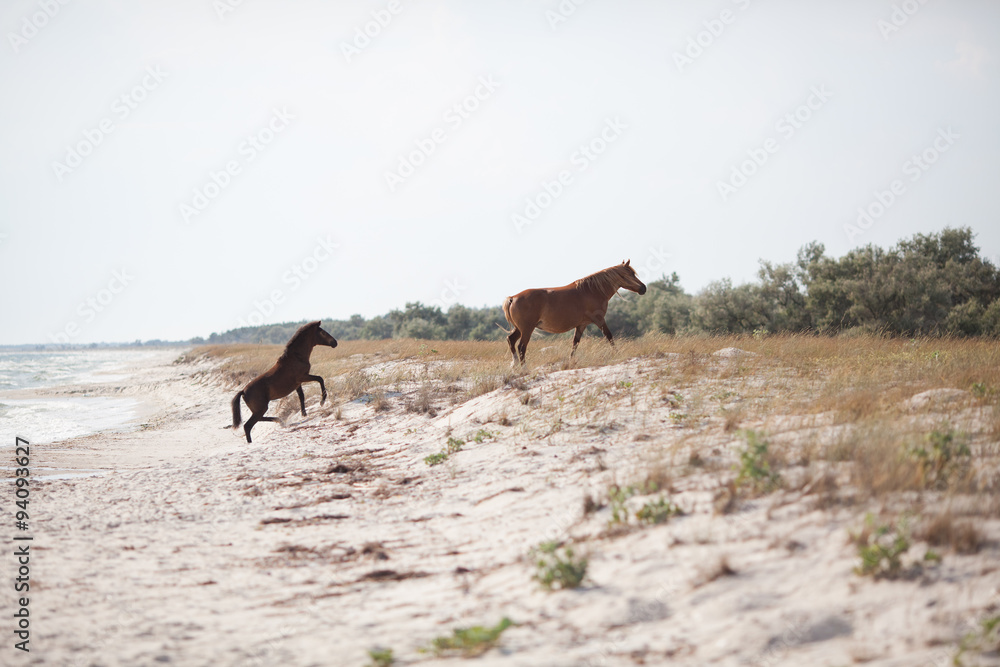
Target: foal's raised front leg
{"type": "Point", "coordinates": [316, 378]}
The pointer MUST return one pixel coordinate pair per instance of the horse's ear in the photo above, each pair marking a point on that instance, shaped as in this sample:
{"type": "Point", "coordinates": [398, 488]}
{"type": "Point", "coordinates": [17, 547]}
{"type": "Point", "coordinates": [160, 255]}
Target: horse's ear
{"type": "Point", "coordinates": [316, 323]}
{"type": "Point", "coordinates": [627, 262]}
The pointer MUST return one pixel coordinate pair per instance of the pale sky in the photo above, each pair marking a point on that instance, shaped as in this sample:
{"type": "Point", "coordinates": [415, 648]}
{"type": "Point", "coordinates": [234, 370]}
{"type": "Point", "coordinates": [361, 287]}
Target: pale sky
{"type": "Point", "coordinates": [171, 169]}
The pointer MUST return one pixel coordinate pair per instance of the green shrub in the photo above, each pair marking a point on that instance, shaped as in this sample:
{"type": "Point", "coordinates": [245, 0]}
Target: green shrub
{"type": "Point", "coordinates": [558, 567]}
{"type": "Point", "coordinates": [381, 657]}
{"type": "Point", "coordinates": [658, 511]}
{"type": "Point", "coordinates": [453, 447]}
{"type": "Point", "coordinates": [754, 469]}
{"type": "Point", "coordinates": [618, 500]}
{"type": "Point", "coordinates": [880, 549]}
{"type": "Point", "coordinates": [470, 642]}
{"type": "Point", "coordinates": [942, 454]}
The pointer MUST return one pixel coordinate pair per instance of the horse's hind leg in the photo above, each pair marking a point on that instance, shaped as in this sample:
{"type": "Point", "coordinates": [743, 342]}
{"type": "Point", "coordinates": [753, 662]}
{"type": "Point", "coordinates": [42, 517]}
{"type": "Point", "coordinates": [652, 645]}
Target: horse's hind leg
{"type": "Point", "coordinates": [511, 340]}
{"type": "Point", "coordinates": [302, 399]}
{"type": "Point", "coordinates": [316, 378]}
{"type": "Point", "coordinates": [253, 420]}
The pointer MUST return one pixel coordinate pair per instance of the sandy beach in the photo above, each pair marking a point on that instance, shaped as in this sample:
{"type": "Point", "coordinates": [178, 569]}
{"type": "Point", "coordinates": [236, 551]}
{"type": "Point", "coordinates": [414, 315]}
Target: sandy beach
{"type": "Point", "coordinates": [331, 536]}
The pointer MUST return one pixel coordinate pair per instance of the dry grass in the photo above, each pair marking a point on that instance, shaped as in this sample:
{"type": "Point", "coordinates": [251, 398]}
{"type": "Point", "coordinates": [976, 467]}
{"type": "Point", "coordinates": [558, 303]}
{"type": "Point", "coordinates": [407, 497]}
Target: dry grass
{"type": "Point", "coordinates": [859, 383]}
{"type": "Point", "coordinates": [944, 530]}
{"type": "Point", "coordinates": [859, 376]}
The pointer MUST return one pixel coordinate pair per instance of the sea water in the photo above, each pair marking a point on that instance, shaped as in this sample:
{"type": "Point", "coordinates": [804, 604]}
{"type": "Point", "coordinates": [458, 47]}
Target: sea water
{"type": "Point", "coordinates": [44, 420]}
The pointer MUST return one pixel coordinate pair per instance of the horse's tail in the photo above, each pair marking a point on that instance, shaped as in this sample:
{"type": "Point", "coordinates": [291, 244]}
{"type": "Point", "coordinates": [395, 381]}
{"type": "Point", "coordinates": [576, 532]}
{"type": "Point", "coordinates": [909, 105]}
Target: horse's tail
{"type": "Point", "coordinates": [237, 418]}
{"type": "Point", "coordinates": [506, 311]}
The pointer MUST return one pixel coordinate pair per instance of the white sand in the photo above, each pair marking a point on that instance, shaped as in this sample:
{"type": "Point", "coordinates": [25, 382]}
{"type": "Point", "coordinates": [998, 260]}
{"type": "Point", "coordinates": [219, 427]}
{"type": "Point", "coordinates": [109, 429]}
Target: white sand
{"type": "Point", "coordinates": [328, 537]}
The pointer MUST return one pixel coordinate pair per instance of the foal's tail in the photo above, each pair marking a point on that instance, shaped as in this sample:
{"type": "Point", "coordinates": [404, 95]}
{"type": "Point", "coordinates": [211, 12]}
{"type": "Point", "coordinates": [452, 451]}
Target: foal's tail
{"type": "Point", "coordinates": [237, 418]}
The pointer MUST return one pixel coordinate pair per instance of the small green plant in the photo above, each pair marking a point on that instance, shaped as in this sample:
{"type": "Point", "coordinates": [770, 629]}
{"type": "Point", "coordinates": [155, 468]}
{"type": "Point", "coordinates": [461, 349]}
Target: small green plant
{"type": "Point", "coordinates": [624, 384]}
{"type": "Point", "coordinates": [436, 459]}
{"type": "Point", "coordinates": [482, 434]}
{"type": "Point", "coordinates": [618, 500]}
{"type": "Point", "coordinates": [470, 642]}
{"type": "Point", "coordinates": [880, 548]}
{"type": "Point", "coordinates": [932, 556]}
{"type": "Point", "coordinates": [984, 640]}
{"type": "Point", "coordinates": [380, 657]}
{"type": "Point", "coordinates": [558, 567]}
{"type": "Point", "coordinates": [678, 417]}
{"type": "Point", "coordinates": [658, 511]}
{"type": "Point", "coordinates": [943, 453]}
{"type": "Point", "coordinates": [981, 390]}
{"type": "Point", "coordinates": [754, 469]}
{"type": "Point", "coordinates": [454, 446]}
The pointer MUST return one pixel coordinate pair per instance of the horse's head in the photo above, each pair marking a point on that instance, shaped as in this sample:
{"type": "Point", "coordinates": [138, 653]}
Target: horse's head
{"type": "Point", "coordinates": [629, 279]}
{"type": "Point", "coordinates": [321, 337]}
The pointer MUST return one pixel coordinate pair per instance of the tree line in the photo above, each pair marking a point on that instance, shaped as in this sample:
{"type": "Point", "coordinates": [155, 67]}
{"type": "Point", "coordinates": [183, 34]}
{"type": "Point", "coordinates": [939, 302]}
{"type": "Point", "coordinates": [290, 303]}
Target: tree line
{"type": "Point", "coordinates": [929, 284]}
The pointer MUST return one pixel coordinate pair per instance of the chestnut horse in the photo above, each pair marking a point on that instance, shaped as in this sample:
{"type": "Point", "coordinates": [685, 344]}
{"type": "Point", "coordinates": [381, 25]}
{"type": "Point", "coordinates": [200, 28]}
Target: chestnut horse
{"type": "Point", "coordinates": [559, 309]}
{"type": "Point", "coordinates": [288, 374]}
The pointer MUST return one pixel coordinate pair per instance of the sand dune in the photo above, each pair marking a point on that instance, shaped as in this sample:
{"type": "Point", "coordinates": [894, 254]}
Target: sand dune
{"type": "Point", "coordinates": [331, 536]}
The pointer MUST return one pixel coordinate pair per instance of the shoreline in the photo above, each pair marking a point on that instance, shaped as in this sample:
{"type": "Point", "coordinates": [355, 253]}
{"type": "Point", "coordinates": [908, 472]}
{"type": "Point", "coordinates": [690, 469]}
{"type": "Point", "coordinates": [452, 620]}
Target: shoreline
{"type": "Point", "coordinates": [124, 384]}
{"type": "Point", "coordinates": [331, 535]}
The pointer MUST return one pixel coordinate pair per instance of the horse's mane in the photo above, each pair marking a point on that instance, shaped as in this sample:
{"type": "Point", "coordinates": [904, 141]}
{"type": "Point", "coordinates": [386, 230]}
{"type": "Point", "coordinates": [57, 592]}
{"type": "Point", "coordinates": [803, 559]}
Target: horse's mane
{"type": "Point", "coordinates": [604, 281]}
{"type": "Point", "coordinates": [293, 344]}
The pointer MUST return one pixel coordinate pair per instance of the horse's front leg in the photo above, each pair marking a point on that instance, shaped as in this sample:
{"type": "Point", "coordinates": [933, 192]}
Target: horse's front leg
{"type": "Point", "coordinates": [599, 321]}
{"type": "Point", "coordinates": [302, 399]}
{"type": "Point", "coordinates": [316, 378]}
{"type": "Point", "coordinates": [577, 337]}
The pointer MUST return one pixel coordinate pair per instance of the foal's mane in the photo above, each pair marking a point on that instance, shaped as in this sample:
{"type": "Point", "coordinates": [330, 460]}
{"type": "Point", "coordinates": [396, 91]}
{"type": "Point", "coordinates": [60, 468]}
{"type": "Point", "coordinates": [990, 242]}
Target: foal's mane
{"type": "Point", "coordinates": [605, 280]}
{"type": "Point", "coordinates": [298, 338]}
